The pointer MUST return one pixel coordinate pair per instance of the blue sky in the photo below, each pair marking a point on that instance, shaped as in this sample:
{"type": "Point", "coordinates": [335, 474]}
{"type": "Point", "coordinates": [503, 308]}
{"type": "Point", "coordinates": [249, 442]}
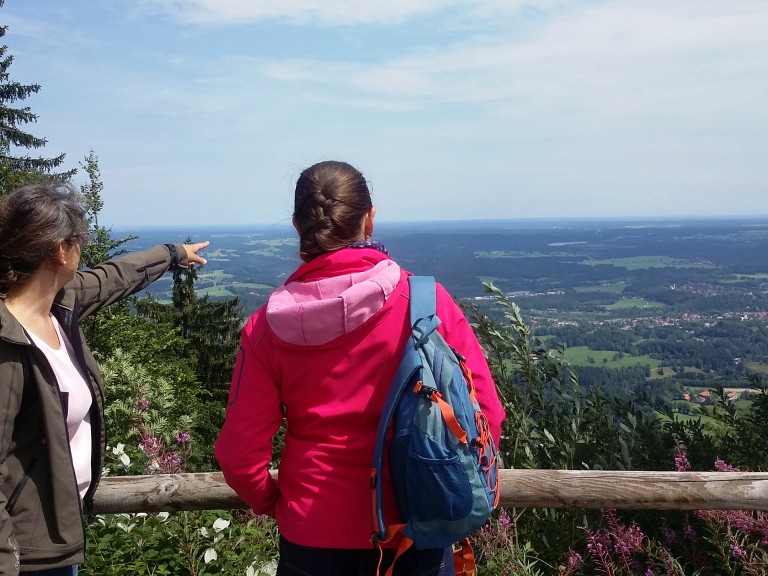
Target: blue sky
{"type": "Point", "coordinates": [204, 112]}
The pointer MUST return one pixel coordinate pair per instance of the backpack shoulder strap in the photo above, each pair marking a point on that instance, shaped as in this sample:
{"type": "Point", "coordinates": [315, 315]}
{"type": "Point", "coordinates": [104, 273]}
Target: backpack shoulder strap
{"type": "Point", "coordinates": [423, 307]}
{"type": "Point", "coordinates": [423, 297]}
{"type": "Point", "coordinates": [423, 321]}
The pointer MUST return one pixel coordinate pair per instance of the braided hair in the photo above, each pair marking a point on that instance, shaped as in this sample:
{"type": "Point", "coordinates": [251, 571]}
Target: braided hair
{"type": "Point", "coordinates": [332, 199]}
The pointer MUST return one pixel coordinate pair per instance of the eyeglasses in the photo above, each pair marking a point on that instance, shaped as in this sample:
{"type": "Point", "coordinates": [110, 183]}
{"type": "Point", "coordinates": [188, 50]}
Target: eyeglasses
{"type": "Point", "coordinates": [81, 239]}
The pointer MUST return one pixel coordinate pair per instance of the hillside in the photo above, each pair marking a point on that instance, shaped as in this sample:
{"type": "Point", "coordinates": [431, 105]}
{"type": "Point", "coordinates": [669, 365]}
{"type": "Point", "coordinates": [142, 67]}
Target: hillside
{"type": "Point", "coordinates": [658, 306]}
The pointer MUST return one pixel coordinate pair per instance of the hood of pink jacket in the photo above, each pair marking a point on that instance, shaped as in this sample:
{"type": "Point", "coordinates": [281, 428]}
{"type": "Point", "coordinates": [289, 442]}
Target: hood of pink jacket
{"type": "Point", "coordinates": [331, 295]}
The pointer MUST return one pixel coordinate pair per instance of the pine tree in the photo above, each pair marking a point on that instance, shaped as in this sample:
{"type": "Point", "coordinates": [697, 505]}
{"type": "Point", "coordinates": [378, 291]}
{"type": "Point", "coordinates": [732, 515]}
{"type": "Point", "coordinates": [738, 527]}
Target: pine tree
{"type": "Point", "coordinates": [16, 170]}
{"type": "Point", "coordinates": [101, 246]}
{"type": "Point", "coordinates": [211, 330]}
{"type": "Point", "coordinates": [211, 327]}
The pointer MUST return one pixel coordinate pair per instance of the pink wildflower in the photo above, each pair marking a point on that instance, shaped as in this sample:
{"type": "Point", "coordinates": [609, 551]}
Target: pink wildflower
{"type": "Point", "coordinates": [573, 562]}
{"type": "Point", "coordinates": [170, 462]}
{"type": "Point", "coordinates": [149, 444]}
{"type": "Point", "coordinates": [722, 466]}
{"type": "Point", "coordinates": [738, 552]}
{"type": "Point", "coordinates": [142, 404]}
{"type": "Point", "coordinates": [681, 459]}
{"type": "Point", "coordinates": [182, 437]}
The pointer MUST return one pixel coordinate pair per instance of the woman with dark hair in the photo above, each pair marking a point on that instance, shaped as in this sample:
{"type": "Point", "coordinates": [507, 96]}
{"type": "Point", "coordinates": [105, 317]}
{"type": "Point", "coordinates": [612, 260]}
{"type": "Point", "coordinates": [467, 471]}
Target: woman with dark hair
{"type": "Point", "coordinates": [52, 435]}
{"type": "Point", "coordinates": [321, 353]}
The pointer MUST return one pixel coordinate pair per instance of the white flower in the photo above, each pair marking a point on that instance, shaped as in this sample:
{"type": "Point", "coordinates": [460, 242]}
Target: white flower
{"type": "Point", "coordinates": [204, 532]}
{"type": "Point", "coordinates": [119, 451]}
{"type": "Point", "coordinates": [163, 515]}
{"type": "Point", "coordinates": [220, 524]}
{"type": "Point", "coordinates": [256, 568]}
{"type": "Point", "coordinates": [210, 555]}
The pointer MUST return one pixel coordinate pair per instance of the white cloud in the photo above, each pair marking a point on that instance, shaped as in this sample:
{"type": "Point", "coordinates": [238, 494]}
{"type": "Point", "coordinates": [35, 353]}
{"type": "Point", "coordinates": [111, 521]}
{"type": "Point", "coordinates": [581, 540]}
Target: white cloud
{"type": "Point", "coordinates": [544, 97]}
{"type": "Point", "coordinates": [614, 60]}
{"type": "Point", "coordinates": [328, 12]}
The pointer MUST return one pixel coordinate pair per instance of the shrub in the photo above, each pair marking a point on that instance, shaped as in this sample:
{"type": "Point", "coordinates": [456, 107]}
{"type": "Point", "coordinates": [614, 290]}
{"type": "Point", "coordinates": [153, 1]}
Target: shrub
{"type": "Point", "coordinates": [195, 543]}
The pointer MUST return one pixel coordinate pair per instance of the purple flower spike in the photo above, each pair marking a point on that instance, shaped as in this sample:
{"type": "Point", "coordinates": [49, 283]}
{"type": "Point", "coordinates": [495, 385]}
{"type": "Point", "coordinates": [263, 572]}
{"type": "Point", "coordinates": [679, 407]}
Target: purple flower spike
{"type": "Point", "coordinates": [142, 404]}
{"type": "Point", "coordinates": [681, 459]}
{"type": "Point", "coordinates": [722, 466]}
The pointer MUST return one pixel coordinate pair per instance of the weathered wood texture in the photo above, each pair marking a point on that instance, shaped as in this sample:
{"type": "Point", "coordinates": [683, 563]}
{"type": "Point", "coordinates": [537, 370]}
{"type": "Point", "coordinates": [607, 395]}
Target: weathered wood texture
{"type": "Point", "coordinates": [634, 490]}
{"type": "Point", "coordinates": [519, 489]}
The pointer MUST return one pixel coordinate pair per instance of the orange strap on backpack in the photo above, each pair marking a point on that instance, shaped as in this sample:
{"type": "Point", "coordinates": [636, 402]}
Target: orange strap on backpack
{"type": "Point", "coordinates": [445, 409]}
{"type": "Point", "coordinates": [464, 559]}
{"type": "Point", "coordinates": [405, 543]}
{"type": "Point", "coordinates": [463, 555]}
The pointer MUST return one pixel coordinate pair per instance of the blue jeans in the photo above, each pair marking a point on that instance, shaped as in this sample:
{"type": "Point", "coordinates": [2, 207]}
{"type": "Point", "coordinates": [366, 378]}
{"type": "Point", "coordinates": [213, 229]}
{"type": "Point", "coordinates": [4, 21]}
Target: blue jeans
{"type": "Point", "coordinates": [64, 571]}
{"type": "Point", "coordinates": [298, 560]}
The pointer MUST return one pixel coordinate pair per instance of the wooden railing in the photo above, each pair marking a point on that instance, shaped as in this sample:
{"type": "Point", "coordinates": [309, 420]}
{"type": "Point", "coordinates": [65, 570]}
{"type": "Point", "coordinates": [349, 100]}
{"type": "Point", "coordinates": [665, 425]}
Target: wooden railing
{"type": "Point", "coordinates": [519, 489]}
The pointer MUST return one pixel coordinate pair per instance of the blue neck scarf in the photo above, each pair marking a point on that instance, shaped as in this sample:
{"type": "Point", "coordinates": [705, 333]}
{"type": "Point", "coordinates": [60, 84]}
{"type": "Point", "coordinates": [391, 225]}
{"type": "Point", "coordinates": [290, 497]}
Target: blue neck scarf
{"type": "Point", "coordinates": [369, 244]}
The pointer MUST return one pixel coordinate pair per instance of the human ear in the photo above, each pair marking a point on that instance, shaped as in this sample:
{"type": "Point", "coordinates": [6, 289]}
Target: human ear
{"type": "Point", "coordinates": [60, 253]}
{"type": "Point", "coordinates": [368, 222]}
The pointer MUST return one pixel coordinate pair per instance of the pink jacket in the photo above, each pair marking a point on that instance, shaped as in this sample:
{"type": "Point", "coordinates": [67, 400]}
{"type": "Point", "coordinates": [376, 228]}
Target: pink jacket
{"type": "Point", "coordinates": [322, 353]}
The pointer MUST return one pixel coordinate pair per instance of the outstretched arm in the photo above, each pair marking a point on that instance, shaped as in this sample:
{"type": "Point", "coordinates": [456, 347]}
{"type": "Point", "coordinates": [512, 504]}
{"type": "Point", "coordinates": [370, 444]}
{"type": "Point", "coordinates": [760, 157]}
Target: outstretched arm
{"type": "Point", "coordinates": [119, 277]}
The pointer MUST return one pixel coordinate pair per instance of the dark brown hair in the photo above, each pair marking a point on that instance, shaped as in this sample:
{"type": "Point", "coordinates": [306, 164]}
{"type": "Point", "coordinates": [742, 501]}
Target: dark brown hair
{"type": "Point", "coordinates": [33, 220]}
{"type": "Point", "coordinates": [332, 198]}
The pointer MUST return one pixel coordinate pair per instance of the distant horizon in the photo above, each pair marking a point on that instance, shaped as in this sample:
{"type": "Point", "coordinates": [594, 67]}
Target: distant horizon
{"type": "Point", "coordinates": [453, 222]}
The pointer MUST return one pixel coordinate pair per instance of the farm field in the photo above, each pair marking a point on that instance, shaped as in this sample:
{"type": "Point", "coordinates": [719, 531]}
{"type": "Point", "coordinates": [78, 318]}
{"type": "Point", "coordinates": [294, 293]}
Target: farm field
{"type": "Point", "coordinates": [685, 300]}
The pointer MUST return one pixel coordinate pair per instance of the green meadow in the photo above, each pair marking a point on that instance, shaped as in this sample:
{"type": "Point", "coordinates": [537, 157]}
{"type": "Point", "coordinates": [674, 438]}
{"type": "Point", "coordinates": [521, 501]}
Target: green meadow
{"type": "Point", "coordinates": [646, 262]}
{"type": "Point", "coordinates": [609, 288]}
{"type": "Point", "coordinates": [583, 356]}
{"type": "Point", "coordinates": [625, 303]}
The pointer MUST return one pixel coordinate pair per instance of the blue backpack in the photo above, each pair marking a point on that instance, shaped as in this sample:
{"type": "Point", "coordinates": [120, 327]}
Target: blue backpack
{"type": "Point", "coordinates": [442, 458]}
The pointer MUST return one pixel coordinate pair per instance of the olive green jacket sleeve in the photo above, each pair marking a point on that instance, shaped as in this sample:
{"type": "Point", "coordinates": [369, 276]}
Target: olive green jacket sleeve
{"type": "Point", "coordinates": [115, 279]}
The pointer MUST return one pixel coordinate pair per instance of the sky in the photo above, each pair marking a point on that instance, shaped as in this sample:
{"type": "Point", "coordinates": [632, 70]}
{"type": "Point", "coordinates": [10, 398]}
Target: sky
{"type": "Point", "coordinates": [204, 112]}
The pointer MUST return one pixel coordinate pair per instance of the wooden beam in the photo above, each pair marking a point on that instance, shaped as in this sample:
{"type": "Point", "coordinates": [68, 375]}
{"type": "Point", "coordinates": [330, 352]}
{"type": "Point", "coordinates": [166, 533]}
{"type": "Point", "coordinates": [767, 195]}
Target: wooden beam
{"type": "Point", "coordinates": [519, 489]}
{"type": "Point", "coordinates": [634, 490]}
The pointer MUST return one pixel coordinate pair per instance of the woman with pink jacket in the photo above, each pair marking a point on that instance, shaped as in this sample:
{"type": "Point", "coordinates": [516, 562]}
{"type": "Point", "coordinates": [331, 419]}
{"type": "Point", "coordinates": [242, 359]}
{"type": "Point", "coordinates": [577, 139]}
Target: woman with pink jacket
{"type": "Point", "coordinates": [321, 354]}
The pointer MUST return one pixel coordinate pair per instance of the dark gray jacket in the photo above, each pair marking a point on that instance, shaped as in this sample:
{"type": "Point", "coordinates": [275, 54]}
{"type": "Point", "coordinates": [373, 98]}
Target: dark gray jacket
{"type": "Point", "coordinates": [41, 523]}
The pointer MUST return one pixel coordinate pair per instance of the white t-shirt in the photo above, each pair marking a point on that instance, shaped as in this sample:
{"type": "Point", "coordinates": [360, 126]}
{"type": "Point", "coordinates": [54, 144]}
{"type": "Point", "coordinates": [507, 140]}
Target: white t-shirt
{"type": "Point", "coordinates": [76, 402]}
